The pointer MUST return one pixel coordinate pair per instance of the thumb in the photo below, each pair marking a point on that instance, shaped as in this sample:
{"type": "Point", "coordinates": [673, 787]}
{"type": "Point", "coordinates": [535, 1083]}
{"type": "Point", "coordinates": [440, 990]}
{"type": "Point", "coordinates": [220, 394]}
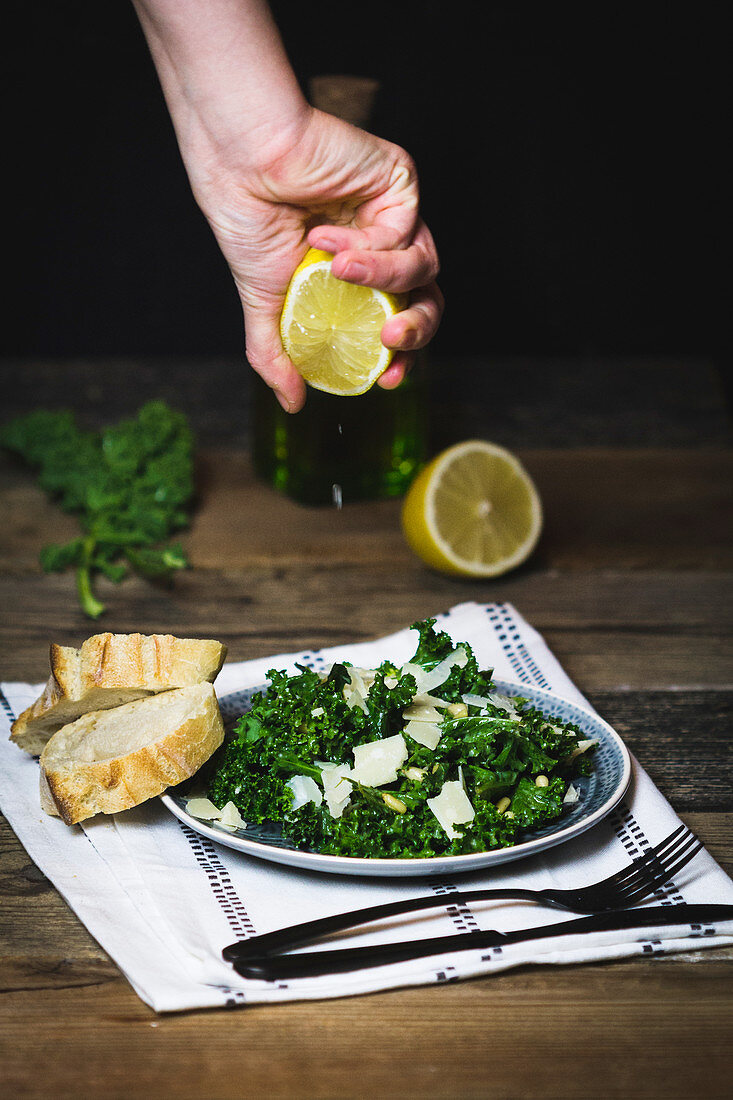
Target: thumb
{"type": "Point", "coordinates": [265, 354]}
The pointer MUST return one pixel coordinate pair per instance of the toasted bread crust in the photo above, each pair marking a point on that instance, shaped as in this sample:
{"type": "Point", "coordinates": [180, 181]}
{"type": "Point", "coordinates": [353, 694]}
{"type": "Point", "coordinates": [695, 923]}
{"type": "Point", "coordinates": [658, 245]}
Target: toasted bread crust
{"type": "Point", "coordinates": [110, 670]}
{"type": "Point", "coordinates": [47, 803]}
{"type": "Point", "coordinates": [186, 728]}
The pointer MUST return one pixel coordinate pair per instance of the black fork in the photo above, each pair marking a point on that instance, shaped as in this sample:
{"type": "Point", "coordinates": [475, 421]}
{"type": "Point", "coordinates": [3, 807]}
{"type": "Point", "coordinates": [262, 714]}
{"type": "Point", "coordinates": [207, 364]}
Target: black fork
{"type": "Point", "coordinates": [619, 891]}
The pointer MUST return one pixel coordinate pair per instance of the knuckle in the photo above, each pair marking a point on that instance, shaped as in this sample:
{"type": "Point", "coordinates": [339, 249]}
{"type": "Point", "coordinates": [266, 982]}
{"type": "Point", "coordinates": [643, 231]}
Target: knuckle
{"type": "Point", "coordinates": [430, 267]}
{"type": "Point", "coordinates": [438, 298]}
{"type": "Point", "coordinates": [403, 178]}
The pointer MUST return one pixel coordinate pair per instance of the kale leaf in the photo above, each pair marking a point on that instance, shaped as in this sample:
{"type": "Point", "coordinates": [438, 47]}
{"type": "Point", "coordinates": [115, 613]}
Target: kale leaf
{"type": "Point", "coordinates": [131, 486]}
{"type": "Point", "coordinates": [433, 645]}
{"type": "Point", "coordinates": [531, 803]}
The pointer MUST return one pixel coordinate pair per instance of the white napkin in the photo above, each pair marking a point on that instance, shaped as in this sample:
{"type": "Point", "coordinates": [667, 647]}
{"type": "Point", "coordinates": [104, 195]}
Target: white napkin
{"type": "Point", "coordinates": [163, 901]}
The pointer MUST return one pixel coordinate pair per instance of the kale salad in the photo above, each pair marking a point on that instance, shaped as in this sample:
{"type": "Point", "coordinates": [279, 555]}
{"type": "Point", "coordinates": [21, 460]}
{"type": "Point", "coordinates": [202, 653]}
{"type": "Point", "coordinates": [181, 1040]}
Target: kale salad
{"type": "Point", "coordinates": [407, 762]}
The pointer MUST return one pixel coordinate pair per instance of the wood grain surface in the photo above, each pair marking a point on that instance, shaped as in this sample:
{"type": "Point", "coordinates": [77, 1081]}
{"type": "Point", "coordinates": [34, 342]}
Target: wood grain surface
{"type": "Point", "coordinates": [631, 588]}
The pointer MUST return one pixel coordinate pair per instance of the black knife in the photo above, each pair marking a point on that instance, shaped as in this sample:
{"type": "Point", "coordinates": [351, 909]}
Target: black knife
{"type": "Point", "coordinates": [309, 964]}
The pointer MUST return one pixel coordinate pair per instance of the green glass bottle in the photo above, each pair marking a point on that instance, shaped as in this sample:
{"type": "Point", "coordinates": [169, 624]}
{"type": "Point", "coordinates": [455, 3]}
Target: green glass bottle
{"type": "Point", "coordinates": [341, 449]}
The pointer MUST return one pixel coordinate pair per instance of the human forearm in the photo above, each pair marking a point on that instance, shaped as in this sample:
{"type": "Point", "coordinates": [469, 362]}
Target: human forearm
{"type": "Point", "coordinates": [225, 76]}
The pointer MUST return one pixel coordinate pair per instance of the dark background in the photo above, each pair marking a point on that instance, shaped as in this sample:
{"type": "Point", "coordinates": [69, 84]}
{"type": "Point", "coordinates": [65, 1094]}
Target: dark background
{"type": "Point", "coordinates": [570, 156]}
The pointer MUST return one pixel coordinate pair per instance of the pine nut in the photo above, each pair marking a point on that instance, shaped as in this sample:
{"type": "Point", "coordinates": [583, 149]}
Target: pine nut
{"type": "Point", "coordinates": [542, 781]}
{"type": "Point", "coordinates": [503, 804]}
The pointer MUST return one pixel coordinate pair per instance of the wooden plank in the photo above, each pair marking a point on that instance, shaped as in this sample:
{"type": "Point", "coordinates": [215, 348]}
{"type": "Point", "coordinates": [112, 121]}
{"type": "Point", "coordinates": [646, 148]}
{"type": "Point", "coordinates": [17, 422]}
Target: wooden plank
{"type": "Point", "coordinates": [657, 660]}
{"type": "Point", "coordinates": [541, 1033]}
{"type": "Point", "coordinates": [642, 630]}
{"type": "Point", "coordinates": [548, 401]}
{"type": "Point", "coordinates": [635, 509]}
{"type": "Point", "coordinates": [34, 918]}
{"type": "Point", "coordinates": [617, 509]}
{"type": "Point", "coordinates": [30, 520]}
{"type": "Point", "coordinates": [603, 509]}
{"type": "Point", "coordinates": [214, 393]}
{"type": "Point", "coordinates": [681, 738]}
{"type": "Point", "coordinates": [716, 830]}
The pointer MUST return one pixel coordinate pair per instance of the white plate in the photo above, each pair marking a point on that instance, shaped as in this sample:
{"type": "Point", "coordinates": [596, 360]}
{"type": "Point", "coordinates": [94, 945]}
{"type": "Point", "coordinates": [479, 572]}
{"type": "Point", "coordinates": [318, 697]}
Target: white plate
{"type": "Point", "coordinates": [600, 792]}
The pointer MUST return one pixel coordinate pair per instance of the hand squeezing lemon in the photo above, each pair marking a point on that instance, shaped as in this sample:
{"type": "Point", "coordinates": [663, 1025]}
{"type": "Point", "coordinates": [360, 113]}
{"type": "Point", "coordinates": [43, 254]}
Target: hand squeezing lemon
{"type": "Point", "coordinates": [331, 329]}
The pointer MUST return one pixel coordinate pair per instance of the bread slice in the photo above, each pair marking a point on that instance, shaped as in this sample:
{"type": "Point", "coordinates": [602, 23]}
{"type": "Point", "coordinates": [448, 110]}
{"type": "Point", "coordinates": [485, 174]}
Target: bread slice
{"type": "Point", "coordinates": [111, 669]}
{"type": "Point", "coordinates": [111, 760]}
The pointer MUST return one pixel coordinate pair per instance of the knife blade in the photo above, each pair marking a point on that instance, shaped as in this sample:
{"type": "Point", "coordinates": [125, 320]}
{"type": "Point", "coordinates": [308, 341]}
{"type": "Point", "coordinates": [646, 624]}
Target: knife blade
{"type": "Point", "coordinates": [308, 964]}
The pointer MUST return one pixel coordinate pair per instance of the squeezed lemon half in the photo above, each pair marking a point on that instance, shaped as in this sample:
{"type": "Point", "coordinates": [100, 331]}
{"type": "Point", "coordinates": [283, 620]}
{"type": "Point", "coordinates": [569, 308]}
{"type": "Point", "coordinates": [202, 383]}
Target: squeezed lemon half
{"type": "Point", "coordinates": [330, 329]}
{"type": "Point", "coordinates": [473, 511]}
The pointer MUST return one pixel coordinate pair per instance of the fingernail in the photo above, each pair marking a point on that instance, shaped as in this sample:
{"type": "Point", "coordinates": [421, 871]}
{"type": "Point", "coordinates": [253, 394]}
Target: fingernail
{"type": "Point", "coordinates": [409, 338]}
{"type": "Point", "coordinates": [355, 271]}
{"type": "Point", "coordinates": [282, 400]}
{"type": "Point", "coordinates": [327, 244]}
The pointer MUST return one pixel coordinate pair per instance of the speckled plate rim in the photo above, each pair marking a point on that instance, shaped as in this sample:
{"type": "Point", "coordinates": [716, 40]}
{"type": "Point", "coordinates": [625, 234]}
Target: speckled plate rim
{"type": "Point", "coordinates": [578, 821]}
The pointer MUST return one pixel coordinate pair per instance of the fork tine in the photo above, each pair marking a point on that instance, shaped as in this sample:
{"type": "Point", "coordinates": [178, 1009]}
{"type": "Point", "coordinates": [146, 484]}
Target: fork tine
{"type": "Point", "coordinates": [659, 861]}
{"type": "Point", "coordinates": [659, 864]}
{"type": "Point", "coordinates": [643, 888]}
{"type": "Point", "coordinates": [661, 851]}
{"type": "Point", "coordinates": [653, 887]}
{"type": "Point", "coordinates": [646, 870]}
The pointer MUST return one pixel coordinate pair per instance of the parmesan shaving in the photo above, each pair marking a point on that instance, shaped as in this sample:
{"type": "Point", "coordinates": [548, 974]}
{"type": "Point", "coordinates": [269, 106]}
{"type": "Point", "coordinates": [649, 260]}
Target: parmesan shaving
{"type": "Point", "coordinates": [452, 807]}
{"type": "Point", "coordinates": [502, 702]}
{"type": "Point", "coordinates": [428, 681]}
{"type": "Point", "coordinates": [425, 733]}
{"type": "Point", "coordinates": [231, 817]}
{"type": "Point", "coordinates": [305, 790]}
{"type": "Point", "coordinates": [377, 762]}
{"type": "Point", "coordinates": [355, 692]}
{"type": "Point", "coordinates": [203, 808]}
{"type": "Point", "coordinates": [336, 787]}
{"type": "Point", "coordinates": [417, 712]}
{"type": "Point", "coordinates": [582, 747]}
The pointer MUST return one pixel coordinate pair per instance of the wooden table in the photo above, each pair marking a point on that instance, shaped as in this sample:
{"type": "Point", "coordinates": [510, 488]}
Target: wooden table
{"type": "Point", "coordinates": [630, 587]}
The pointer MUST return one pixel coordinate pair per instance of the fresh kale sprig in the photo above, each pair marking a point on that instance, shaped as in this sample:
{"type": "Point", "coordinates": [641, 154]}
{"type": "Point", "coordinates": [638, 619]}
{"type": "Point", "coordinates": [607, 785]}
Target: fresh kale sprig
{"type": "Point", "coordinates": [131, 486]}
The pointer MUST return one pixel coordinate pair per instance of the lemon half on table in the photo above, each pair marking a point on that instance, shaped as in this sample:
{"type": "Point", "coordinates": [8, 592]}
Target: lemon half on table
{"type": "Point", "coordinates": [473, 511]}
{"type": "Point", "coordinates": [330, 329]}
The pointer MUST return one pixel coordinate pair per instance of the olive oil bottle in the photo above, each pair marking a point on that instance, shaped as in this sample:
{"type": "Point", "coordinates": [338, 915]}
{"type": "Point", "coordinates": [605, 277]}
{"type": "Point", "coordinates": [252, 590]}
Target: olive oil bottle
{"type": "Point", "coordinates": [341, 449]}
